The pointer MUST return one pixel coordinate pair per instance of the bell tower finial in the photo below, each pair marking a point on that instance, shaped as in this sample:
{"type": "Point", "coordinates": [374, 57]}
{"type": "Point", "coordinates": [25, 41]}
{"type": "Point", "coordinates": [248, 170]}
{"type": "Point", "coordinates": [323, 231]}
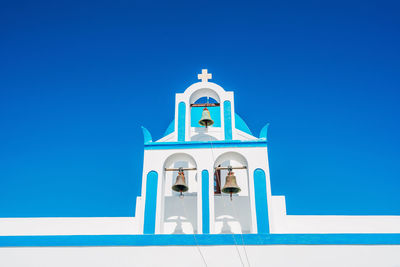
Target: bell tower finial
{"type": "Point", "coordinates": [204, 76]}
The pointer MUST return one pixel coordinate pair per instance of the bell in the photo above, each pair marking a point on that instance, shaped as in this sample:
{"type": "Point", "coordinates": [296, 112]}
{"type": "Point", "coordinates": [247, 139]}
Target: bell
{"type": "Point", "coordinates": [180, 184]}
{"type": "Point", "coordinates": [206, 118]}
{"type": "Point", "coordinates": [231, 187]}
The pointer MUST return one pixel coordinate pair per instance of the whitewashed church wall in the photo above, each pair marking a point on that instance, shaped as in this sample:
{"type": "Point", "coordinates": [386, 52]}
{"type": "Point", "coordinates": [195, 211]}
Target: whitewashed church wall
{"type": "Point", "coordinates": [209, 134]}
{"type": "Point", "coordinates": [204, 159]}
{"type": "Point", "coordinates": [286, 224]}
{"type": "Point", "coordinates": [168, 138]}
{"type": "Point", "coordinates": [277, 213]}
{"type": "Point", "coordinates": [138, 212]}
{"type": "Point", "coordinates": [240, 135]}
{"type": "Point", "coordinates": [281, 223]}
{"type": "Point", "coordinates": [206, 134]}
{"type": "Point", "coordinates": [180, 215]}
{"type": "Point", "coordinates": [232, 216]}
{"type": "Point", "coordinates": [338, 224]}
{"type": "Point", "coordinates": [183, 256]}
{"type": "Point", "coordinates": [68, 226]}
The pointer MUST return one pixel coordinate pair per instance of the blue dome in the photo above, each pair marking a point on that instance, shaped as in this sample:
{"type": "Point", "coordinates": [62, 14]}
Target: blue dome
{"type": "Point", "coordinates": [241, 125]}
{"type": "Point", "coordinates": [170, 129]}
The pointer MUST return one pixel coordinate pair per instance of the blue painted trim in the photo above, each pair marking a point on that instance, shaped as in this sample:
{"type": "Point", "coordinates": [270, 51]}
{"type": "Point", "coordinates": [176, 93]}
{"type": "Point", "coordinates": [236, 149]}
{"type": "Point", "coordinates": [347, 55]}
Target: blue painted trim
{"type": "Point", "coordinates": [151, 203]}
{"type": "Point", "coordinates": [190, 240]}
{"type": "Point", "coordinates": [170, 129]}
{"type": "Point", "coordinates": [205, 182]}
{"type": "Point", "coordinates": [240, 124]}
{"type": "Point", "coordinates": [260, 191]}
{"type": "Point", "coordinates": [181, 121]}
{"type": "Point", "coordinates": [228, 120]}
{"type": "Point", "coordinates": [264, 132]}
{"type": "Point", "coordinates": [146, 135]}
{"type": "Point", "coordinates": [204, 144]}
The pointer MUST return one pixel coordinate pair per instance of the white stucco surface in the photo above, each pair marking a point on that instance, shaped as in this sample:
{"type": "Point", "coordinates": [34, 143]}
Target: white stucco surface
{"type": "Point", "coordinates": [68, 226]}
{"type": "Point", "coordinates": [258, 256]}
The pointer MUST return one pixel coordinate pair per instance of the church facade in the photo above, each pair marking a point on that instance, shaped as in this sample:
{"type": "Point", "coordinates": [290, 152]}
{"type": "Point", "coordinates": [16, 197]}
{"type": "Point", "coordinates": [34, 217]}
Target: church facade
{"type": "Point", "coordinates": [206, 201]}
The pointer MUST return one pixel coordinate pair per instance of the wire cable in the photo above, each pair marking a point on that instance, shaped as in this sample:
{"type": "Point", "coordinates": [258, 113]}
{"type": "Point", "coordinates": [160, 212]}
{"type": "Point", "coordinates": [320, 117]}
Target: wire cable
{"type": "Point", "coordinates": [233, 235]}
{"type": "Point", "coordinates": [194, 235]}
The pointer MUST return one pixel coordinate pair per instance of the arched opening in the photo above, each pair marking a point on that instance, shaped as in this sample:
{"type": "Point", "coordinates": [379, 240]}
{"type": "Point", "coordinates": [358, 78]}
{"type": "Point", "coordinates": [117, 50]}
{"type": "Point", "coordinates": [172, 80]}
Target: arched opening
{"type": "Point", "coordinates": [232, 216]}
{"type": "Point", "coordinates": [196, 111]}
{"type": "Point", "coordinates": [204, 92]}
{"type": "Point", "coordinates": [179, 214]}
{"type": "Point", "coordinates": [206, 100]}
{"type": "Point", "coordinates": [200, 99]}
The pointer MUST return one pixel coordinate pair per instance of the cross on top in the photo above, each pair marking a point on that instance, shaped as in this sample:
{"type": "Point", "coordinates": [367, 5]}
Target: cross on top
{"type": "Point", "coordinates": [204, 76]}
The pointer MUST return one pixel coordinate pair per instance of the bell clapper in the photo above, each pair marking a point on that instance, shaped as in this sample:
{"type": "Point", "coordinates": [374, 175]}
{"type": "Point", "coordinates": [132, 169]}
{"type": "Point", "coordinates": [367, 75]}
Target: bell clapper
{"type": "Point", "coordinates": [181, 195]}
{"type": "Point", "coordinates": [230, 173]}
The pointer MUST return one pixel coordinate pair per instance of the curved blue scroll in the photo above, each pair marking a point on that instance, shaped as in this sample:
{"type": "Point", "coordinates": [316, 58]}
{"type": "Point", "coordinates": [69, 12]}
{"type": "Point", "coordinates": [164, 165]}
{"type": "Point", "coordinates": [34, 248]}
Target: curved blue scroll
{"type": "Point", "coordinates": [146, 135]}
{"type": "Point", "coordinates": [264, 132]}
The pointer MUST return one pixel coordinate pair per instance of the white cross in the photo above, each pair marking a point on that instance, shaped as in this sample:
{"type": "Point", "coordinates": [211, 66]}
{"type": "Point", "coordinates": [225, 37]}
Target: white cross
{"type": "Point", "coordinates": [204, 76]}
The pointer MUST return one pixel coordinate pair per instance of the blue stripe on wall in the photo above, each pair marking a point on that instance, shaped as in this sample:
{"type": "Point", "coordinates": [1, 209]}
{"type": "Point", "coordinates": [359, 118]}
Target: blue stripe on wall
{"type": "Point", "coordinates": [195, 240]}
{"type": "Point", "coordinates": [204, 144]}
{"type": "Point", "coordinates": [151, 203]}
{"type": "Point", "coordinates": [205, 201]}
{"type": "Point", "coordinates": [228, 120]}
{"type": "Point", "coordinates": [181, 121]}
{"type": "Point", "coordinates": [260, 190]}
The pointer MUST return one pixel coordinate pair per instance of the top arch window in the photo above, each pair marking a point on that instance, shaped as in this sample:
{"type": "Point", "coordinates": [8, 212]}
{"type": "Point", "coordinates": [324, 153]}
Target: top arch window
{"type": "Point", "coordinates": [204, 93]}
{"type": "Point", "coordinates": [206, 100]}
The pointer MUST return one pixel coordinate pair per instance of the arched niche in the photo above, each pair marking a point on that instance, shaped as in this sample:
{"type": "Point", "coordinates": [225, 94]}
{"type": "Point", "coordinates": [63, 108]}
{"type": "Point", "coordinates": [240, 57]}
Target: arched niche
{"type": "Point", "coordinates": [198, 132]}
{"type": "Point", "coordinates": [231, 156]}
{"type": "Point", "coordinates": [197, 97]}
{"type": "Point", "coordinates": [179, 215]}
{"type": "Point", "coordinates": [232, 216]}
{"type": "Point", "coordinates": [204, 92]}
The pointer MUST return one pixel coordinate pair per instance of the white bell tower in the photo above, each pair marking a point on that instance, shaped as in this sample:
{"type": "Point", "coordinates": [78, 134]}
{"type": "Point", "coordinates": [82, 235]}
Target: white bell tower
{"type": "Point", "coordinates": [205, 154]}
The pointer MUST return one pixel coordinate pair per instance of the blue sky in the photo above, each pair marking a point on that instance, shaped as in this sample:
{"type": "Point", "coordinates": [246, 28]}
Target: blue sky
{"type": "Point", "coordinates": [79, 78]}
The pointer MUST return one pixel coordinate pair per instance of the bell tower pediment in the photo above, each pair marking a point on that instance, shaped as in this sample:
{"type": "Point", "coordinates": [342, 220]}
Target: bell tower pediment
{"type": "Point", "coordinates": [205, 112]}
{"type": "Point", "coordinates": [199, 178]}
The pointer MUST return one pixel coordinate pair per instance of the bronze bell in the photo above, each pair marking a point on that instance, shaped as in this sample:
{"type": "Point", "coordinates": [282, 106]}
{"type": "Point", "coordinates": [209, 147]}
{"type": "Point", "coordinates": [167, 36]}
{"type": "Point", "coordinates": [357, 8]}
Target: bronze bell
{"type": "Point", "coordinates": [206, 118]}
{"type": "Point", "coordinates": [180, 184]}
{"type": "Point", "coordinates": [231, 186]}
